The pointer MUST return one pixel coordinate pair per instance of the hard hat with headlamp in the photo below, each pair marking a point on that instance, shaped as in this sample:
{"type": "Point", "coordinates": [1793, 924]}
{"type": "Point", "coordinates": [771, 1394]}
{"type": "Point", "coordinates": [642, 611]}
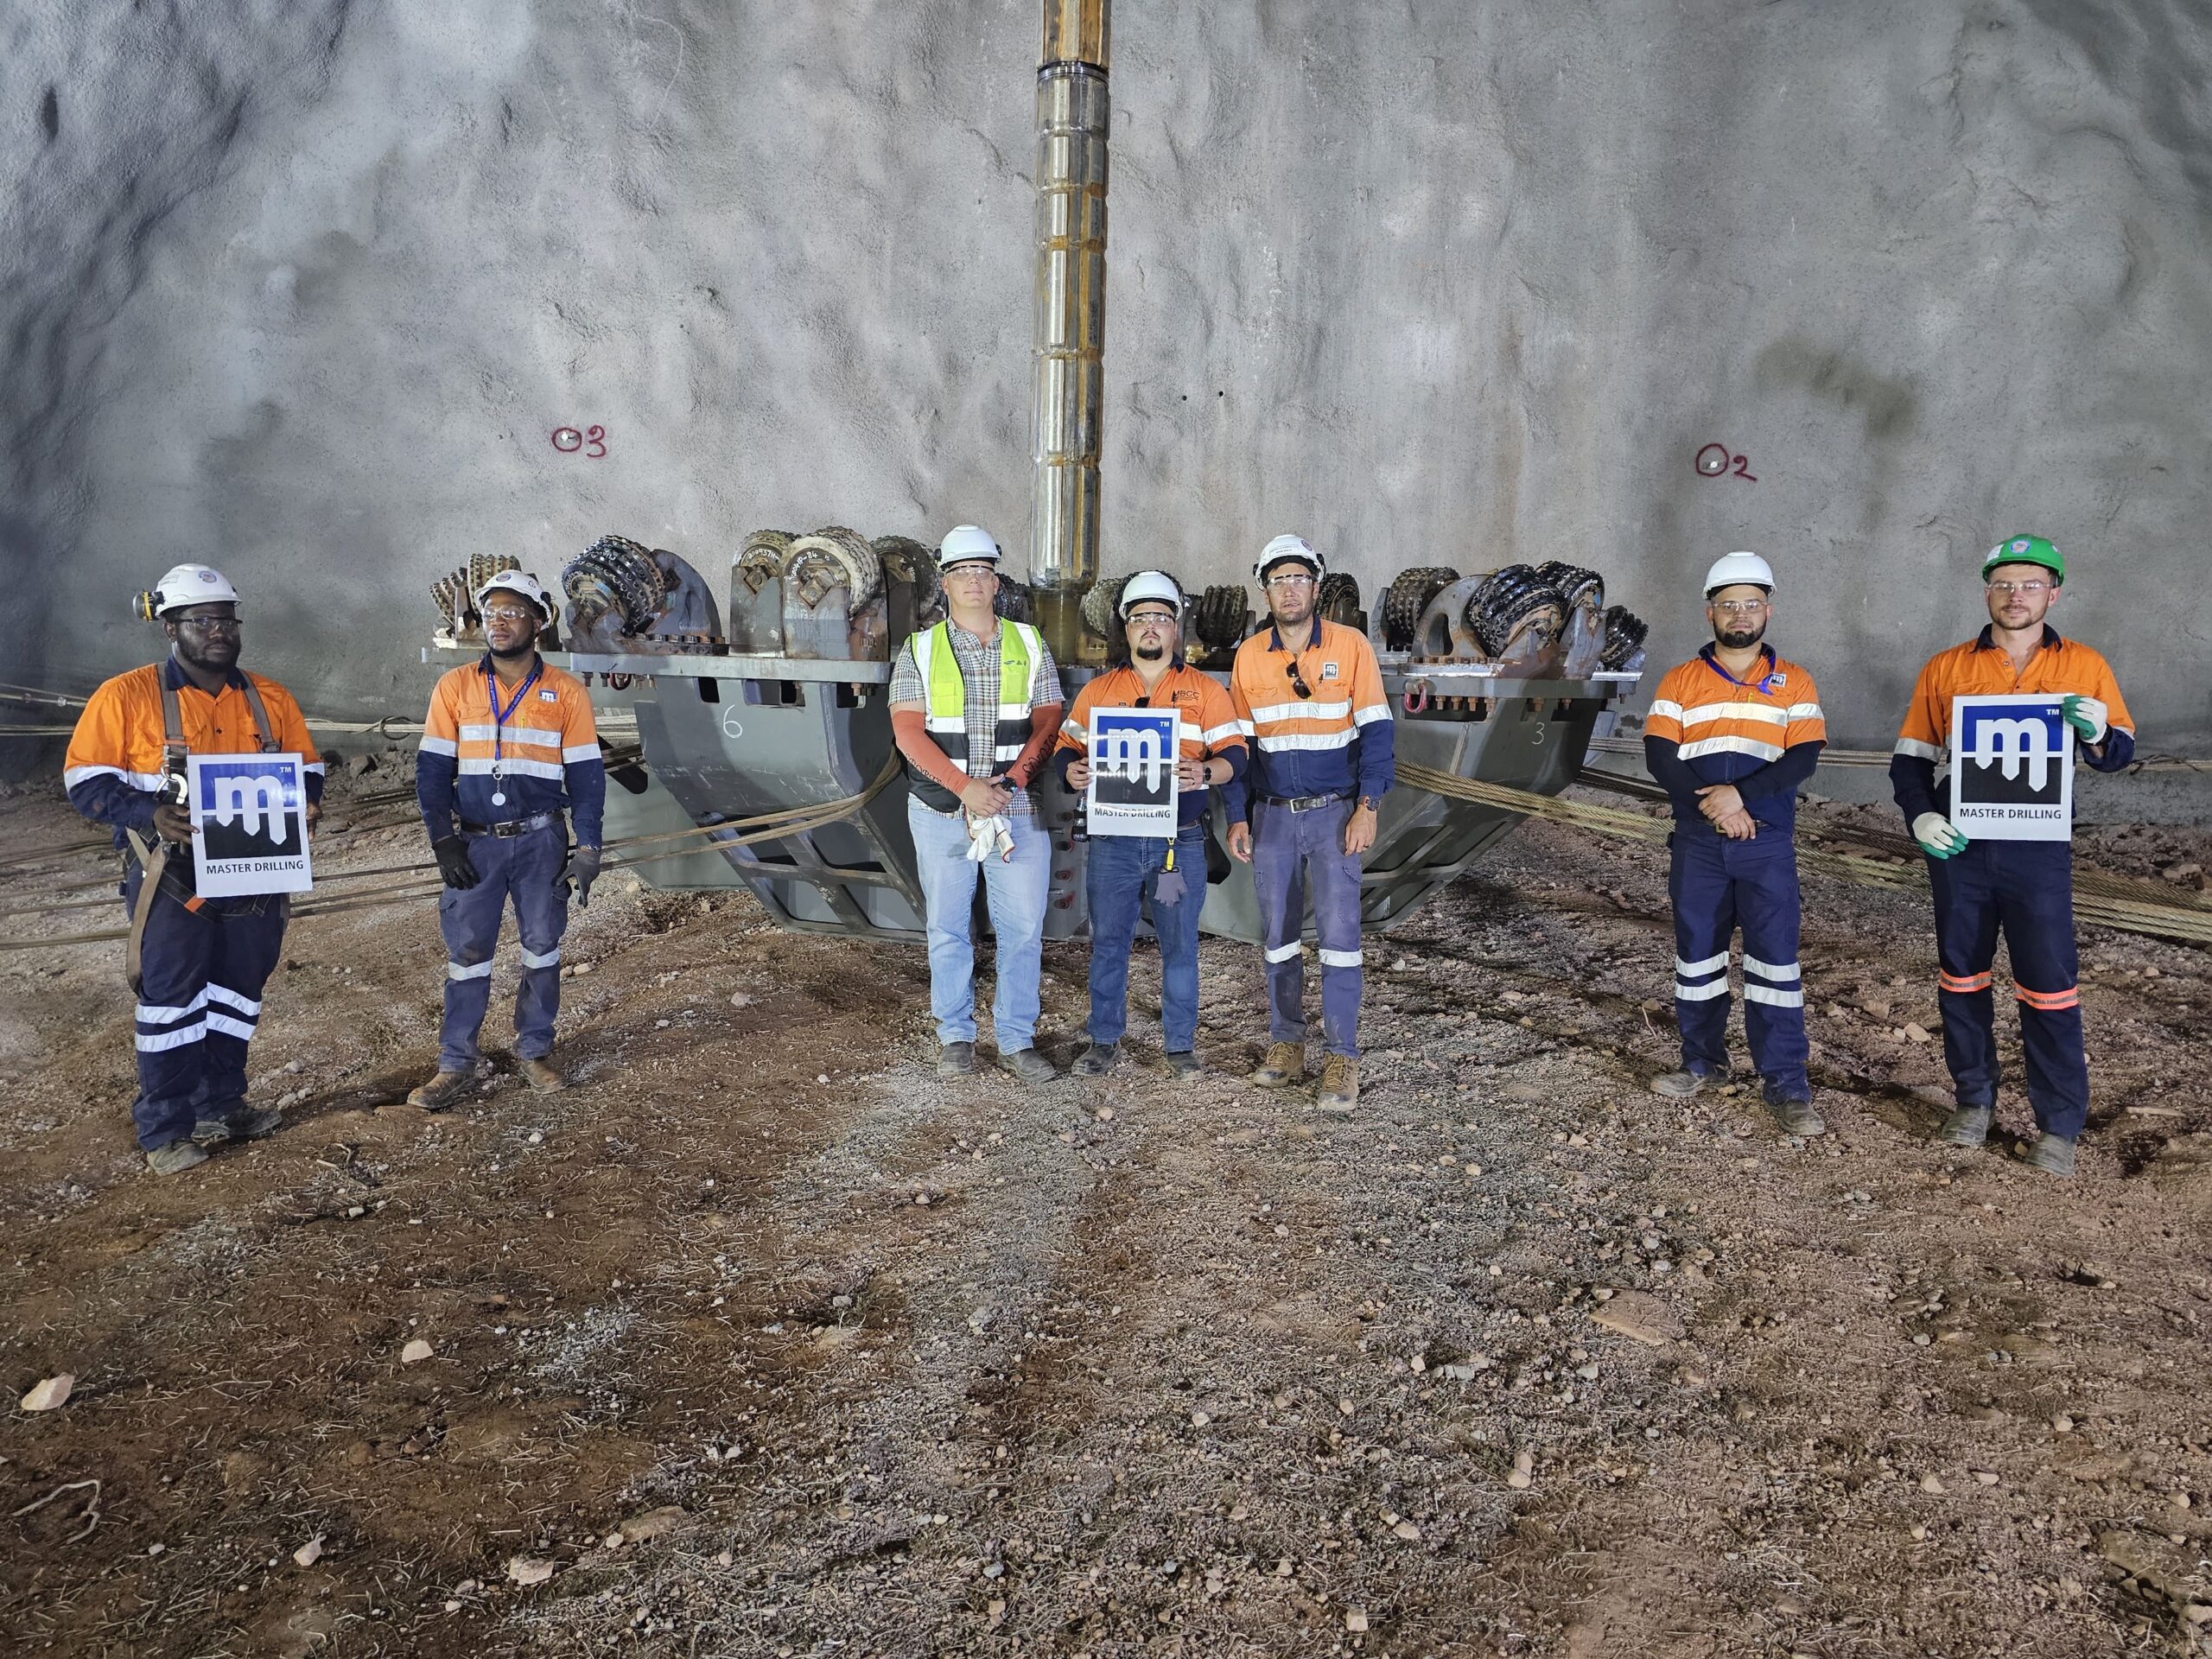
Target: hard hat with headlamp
{"type": "Point", "coordinates": [184, 585]}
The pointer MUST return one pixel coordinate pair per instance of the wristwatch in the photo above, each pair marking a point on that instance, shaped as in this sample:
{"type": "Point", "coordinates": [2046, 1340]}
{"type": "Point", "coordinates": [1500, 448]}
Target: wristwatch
{"type": "Point", "coordinates": [1368, 802]}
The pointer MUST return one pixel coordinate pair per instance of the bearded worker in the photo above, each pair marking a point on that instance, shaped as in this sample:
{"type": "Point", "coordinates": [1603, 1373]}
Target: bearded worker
{"type": "Point", "coordinates": [1732, 734]}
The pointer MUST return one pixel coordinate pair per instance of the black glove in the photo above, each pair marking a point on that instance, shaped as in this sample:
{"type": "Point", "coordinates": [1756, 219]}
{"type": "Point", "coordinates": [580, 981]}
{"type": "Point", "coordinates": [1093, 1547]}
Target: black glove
{"type": "Point", "coordinates": [453, 862]}
{"type": "Point", "coordinates": [583, 866]}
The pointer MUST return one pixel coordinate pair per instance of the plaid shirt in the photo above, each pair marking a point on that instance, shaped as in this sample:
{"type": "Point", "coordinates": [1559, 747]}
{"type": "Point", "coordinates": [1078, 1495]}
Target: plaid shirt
{"type": "Point", "coordinates": [979, 673]}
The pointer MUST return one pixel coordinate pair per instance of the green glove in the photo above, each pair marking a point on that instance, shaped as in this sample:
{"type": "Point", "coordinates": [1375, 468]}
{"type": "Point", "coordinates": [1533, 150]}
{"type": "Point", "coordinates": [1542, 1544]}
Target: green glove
{"type": "Point", "coordinates": [1937, 835]}
{"type": "Point", "coordinates": [2089, 718]}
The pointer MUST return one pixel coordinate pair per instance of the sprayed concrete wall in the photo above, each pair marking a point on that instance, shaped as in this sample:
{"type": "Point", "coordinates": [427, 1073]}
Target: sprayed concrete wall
{"type": "Point", "coordinates": [303, 287]}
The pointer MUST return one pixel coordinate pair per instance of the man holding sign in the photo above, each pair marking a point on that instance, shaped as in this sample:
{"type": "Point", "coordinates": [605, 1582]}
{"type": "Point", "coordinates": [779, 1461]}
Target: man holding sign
{"type": "Point", "coordinates": [201, 945]}
{"type": "Point", "coordinates": [1983, 770]}
{"type": "Point", "coordinates": [1147, 740]}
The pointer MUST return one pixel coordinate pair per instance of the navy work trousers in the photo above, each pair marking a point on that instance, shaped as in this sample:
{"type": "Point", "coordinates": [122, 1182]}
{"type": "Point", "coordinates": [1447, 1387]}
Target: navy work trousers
{"type": "Point", "coordinates": [1717, 886]}
{"type": "Point", "coordinates": [526, 869]}
{"type": "Point", "coordinates": [1121, 874]}
{"type": "Point", "coordinates": [1292, 854]}
{"type": "Point", "coordinates": [2025, 888]}
{"type": "Point", "coordinates": [200, 978]}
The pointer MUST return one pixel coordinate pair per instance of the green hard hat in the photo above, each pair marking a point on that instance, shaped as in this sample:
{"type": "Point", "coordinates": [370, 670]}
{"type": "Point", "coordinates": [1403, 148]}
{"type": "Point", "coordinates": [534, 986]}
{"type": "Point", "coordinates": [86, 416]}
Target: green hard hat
{"type": "Point", "coordinates": [2027, 550]}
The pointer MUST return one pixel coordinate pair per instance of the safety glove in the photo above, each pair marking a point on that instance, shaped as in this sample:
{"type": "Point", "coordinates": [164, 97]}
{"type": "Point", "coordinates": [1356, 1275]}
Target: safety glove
{"type": "Point", "coordinates": [1937, 836]}
{"type": "Point", "coordinates": [583, 869]}
{"type": "Point", "coordinates": [453, 862]}
{"type": "Point", "coordinates": [2088, 718]}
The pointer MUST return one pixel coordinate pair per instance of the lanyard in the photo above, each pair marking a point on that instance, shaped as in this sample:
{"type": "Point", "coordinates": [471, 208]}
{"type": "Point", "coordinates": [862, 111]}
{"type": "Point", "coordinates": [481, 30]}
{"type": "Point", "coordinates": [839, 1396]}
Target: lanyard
{"type": "Point", "coordinates": [501, 716]}
{"type": "Point", "coordinates": [1764, 683]}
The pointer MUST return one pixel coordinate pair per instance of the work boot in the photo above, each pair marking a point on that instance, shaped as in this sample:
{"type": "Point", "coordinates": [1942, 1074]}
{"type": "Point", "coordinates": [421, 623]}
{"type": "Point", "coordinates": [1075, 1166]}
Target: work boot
{"type": "Point", "coordinates": [1794, 1115]}
{"type": "Point", "coordinates": [241, 1123]}
{"type": "Point", "coordinates": [955, 1061]}
{"type": "Point", "coordinates": [439, 1091]}
{"type": "Point", "coordinates": [175, 1158]}
{"type": "Point", "coordinates": [1968, 1127]}
{"type": "Point", "coordinates": [1183, 1063]}
{"type": "Point", "coordinates": [1029, 1065]}
{"type": "Point", "coordinates": [1096, 1060]}
{"type": "Point", "coordinates": [542, 1075]}
{"type": "Point", "coordinates": [2052, 1153]}
{"type": "Point", "coordinates": [1339, 1084]}
{"type": "Point", "coordinates": [1285, 1064]}
{"type": "Point", "coordinates": [1679, 1085]}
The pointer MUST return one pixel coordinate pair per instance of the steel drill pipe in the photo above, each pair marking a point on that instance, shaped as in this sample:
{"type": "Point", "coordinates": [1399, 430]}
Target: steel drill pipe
{"type": "Point", "coordinates": [1072, 115]}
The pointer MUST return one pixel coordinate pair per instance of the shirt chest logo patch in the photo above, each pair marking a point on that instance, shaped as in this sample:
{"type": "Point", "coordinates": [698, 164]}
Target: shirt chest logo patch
{"type": "Point", "coordinates": [1328, 671]}
{"type": "Point", "coordinates": [547, 694]}
{"type": "Point", "coordinates": [1778, 681]}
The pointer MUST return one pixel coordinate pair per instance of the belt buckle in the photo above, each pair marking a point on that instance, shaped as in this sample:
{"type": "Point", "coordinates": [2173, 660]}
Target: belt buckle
{"type": "Point", "coordinates": [510, 829]}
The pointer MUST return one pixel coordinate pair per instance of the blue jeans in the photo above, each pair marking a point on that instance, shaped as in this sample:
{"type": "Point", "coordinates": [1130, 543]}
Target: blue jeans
{"type": "Point", "coordinates": [1292, 852]}
{"type": "Point", "coordinates": [1123, 874]}
{"type": "Point", "coordinates": [525, 869]}
{"type": "Point", "coordinates": [1015, 890]}
{"type": "Point", "coordinates": [1719, 885]}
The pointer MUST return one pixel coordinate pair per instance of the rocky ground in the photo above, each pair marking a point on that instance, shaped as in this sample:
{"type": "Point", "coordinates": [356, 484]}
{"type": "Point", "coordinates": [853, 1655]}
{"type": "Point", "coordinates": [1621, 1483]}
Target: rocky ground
{"type": "Point", "coordinates": [763, 1340]}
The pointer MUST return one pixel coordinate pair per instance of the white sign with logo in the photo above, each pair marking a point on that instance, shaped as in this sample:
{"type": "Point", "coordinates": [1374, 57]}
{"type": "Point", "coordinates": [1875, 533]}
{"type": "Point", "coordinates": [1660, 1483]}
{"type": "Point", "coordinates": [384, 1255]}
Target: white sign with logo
{"type": "Point", "coordinates": [249, 825]}
{"type": "Point", "coordinates": [2011, 769]}
{"type": "Point", "coordinates": [1132, 756]}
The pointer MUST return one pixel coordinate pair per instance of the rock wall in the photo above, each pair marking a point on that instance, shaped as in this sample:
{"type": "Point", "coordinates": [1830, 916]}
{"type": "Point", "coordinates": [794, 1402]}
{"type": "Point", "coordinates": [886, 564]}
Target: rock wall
{"type": "Point", "coordinates": [303, 287]}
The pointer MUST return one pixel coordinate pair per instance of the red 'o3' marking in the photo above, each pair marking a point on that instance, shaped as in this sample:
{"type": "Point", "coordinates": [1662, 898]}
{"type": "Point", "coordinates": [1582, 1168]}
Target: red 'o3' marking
{"type": "Point", "coordinates": [1719, 468]}
{"type": "Point", "coordinates": [568, 440]}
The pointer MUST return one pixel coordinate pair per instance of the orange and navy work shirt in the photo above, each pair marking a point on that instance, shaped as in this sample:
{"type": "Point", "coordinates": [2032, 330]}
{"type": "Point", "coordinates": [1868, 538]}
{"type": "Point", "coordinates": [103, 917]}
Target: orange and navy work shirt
{"type": "Point", "coordinates": [1318, 716]}
{"type": "Point", "coordinates": [1981, 667]}
{"type": "Point", "coordinates": [538, 749]}
{"type": "Point", "coordinates": [1763, 734]}
{"type": "Point", "coordinates": [1206, 724]}
{"type": "Point", "coordinates": [113, 767]}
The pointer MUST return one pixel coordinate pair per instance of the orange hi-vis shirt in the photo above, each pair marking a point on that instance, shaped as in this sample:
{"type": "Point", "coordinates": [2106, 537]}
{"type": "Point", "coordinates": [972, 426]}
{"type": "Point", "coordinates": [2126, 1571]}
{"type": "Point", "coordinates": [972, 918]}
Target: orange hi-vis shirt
{"type": "Point", "coordinates": [113, 767]}
{"type": "Point", "coordinates": [544, 756]}
{"type": "Point", "coordinates": [1206, 721]}
{"type": "Point", "coordinates": [1337, 740]}
{"type": "Point", "coordinates": [1981, 667]}
{"type": "Point", "coordinates": [1701, 708]}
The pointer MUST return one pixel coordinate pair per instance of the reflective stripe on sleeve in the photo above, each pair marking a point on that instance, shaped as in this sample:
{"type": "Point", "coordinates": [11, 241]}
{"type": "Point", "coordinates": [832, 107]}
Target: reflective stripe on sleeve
{"type": "Point", "coordinates": [73, 776]}
{"type": "Point", "coordinates": [1806, 711]}
{"type": "Point", "coordinates": [1918, 750]}
{"type": "Point", "coordinates": [1369, 715]}
{"type": "Point", "coordinates": [579, 752]}
{"type": "Point", "coordinates": [444, 746]}
{"type": "Point", "coordinates": [1222, 733]}
{"type": "Point", "coordinates": [1665, 708]}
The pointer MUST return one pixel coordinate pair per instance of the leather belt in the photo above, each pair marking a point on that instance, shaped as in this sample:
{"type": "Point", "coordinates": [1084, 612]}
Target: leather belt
{"type": "Point", "coordinates": [1302, 802]}
{"type": "Point", "coordinates": [511, 828]}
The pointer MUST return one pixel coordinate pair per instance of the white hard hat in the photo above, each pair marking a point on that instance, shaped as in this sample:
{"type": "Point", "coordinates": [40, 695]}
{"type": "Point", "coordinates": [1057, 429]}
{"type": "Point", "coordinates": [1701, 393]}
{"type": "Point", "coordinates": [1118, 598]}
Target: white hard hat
{"type": "Point", "coordinates": [1287, 547]}
{"type": "Point", "coordinates": [1732, 569]}
{"type": "Point", "coordinates": [517, 581]}
{"type": "Point", "coordinates": [1155, 585]}
{"type": "Point", "coordinates": [191, 584]}
{"type": "Point", "coordinates": [964, 544]}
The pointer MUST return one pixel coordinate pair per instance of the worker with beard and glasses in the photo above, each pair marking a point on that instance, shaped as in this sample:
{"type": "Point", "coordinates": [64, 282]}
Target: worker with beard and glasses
{"type": "Point", "coordinates": [198, 964]}
{"type": "Point", "coordinates": [1124, 874]}
{"type": "Point", "coordinates": [509, 744]}
{"type": "Point", "coordinates": [1732, 734]}
{"type": "Point", "coordinates": [2026, 887]}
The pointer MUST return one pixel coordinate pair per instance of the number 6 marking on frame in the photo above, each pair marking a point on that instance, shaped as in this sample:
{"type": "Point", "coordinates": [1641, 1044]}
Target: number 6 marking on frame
{"type": "Point", "coordinates": [1714, 460]}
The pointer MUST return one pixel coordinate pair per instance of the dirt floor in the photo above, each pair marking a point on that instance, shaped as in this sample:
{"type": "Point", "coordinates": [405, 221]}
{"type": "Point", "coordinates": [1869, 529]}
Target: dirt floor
{"type": "Point", "coordinates": [762, 1340]}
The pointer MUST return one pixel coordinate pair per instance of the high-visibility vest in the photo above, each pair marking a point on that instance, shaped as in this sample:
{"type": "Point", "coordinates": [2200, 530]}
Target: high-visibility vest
{"type": "Point", "coordinates": [944, 702]}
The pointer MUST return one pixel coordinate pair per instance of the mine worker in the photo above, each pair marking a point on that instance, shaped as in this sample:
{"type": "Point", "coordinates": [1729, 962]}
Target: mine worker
{"type": "Point", "coordinates": [1167, 876]}
{"type": "Point", "coordinates": [1731, 736]}
{"type": "Point", "coordinates": [197, 964]}
{"type": "Point", "coordinates": [2026, 887]}
{"type": "Point", "coordinates": [509, 751]}
{"type": "Point", "coordinates": [974, 705]}
{"type": "Point", "coordinates": [1310, 696]}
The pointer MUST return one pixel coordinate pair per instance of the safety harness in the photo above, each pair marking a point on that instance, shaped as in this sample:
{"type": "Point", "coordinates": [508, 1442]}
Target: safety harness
{"type": "Point", "coordinates": [153, 853]}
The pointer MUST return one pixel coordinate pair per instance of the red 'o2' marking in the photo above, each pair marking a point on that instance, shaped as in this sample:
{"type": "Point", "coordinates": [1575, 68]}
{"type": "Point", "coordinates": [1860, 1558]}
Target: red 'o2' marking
{"type": "Point", "coordinates": [568, 440]}
{"type": "Point", "coordinates": [1723, 463]}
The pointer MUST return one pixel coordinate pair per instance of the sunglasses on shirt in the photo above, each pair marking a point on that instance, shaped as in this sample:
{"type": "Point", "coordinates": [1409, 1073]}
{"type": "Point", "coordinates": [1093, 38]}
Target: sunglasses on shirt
{"type": "Point", "coordinates": [1298, 681]}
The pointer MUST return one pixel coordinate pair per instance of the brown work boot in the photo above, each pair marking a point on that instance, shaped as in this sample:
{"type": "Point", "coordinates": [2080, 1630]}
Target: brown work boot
{"type": "Point", "coordinates": [439, 1091]}
{"type": "Point", "coordinates": [543, 1078]}
{"type": "Point", "coordinates": [1285, 1064]}
{"type": "Point", "coordinates": [1339, 1084]}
